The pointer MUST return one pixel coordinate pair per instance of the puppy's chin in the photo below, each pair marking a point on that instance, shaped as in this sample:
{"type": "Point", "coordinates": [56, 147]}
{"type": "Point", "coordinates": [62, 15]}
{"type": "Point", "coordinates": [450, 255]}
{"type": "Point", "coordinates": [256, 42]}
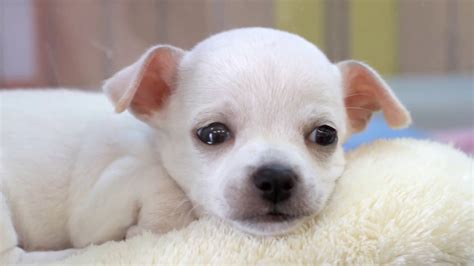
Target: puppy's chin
{"type": "Point", "coordinates": [269, 226]}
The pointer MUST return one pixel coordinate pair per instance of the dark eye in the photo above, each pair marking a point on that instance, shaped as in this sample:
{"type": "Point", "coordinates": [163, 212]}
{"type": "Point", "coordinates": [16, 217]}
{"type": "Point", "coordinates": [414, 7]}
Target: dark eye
{"type": "Point", "coordinates": [323, 135]}
{"type": "Point", "coordinates": [214, 133]}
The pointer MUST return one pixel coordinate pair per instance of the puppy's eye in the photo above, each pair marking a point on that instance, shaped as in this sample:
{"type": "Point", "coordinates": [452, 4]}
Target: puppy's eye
{"type": "Point", "coordinates": [214, 133]}
{"type": "Point", "coordinates": [323, 135]}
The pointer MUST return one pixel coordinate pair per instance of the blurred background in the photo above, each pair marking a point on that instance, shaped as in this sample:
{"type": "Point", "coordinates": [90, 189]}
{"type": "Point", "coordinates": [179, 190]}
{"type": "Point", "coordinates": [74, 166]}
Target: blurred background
{"type": "Point", "coordinates": [424, 48]}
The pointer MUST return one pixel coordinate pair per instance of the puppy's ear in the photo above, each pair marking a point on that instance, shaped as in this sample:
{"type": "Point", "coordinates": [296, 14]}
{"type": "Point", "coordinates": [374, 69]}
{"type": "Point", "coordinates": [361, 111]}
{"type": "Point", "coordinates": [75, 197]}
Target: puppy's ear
{"type": "Point", "coordinates": [144, 86]}
{"type": "Point", "coordinates": [365, 93]}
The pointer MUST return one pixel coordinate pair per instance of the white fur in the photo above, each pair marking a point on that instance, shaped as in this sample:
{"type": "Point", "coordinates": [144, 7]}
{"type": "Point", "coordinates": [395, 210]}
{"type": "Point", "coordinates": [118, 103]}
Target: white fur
{"type": "Point", "coordinates": [74, 173]}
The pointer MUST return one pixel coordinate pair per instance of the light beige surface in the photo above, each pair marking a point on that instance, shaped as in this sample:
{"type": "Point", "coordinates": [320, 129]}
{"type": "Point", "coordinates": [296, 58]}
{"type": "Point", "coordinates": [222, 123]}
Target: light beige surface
{"type": "Point", "coordinates": [399, 202]}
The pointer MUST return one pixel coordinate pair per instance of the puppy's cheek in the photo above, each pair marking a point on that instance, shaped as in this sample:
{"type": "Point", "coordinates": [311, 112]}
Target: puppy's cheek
{"type": "Point", "coordinates": [242, 201]}
{"type": "Point", "coordinates": [228, 186]}
{"type": "Point", "coordinates": [332, 167]}
{"type": "Point", "coordinates": [325, 194]}
{"type": "Point", "coordinates": [317, 188]}
{"type": "Point", "coordinates": [216, 205]}
{"type": "Point", "coordinates": [215, 189]}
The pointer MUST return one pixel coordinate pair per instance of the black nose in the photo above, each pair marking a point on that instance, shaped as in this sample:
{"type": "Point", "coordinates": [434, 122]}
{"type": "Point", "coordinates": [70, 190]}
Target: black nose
{"type": "Point", "coordinates": [275, 182]}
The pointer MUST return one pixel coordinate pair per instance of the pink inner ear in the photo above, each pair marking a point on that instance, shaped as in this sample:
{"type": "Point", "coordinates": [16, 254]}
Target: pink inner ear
{"type": "Point", "coordinates": [367, 93]}
{"type": "Point", "coordinates": [359, 109]}
{"type": "Point", "coordinates": [155, 85]}
{"type": "Point", "coordinates": [361, 99]}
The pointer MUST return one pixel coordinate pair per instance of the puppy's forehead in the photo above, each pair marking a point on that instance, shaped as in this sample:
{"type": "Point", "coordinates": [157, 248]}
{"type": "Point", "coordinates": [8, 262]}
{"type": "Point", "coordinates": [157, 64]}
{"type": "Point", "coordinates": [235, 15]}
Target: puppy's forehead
{"type": "Point", "coordinates": [257, 39]}
{"type": "Point", "coordinates": [259, 69]}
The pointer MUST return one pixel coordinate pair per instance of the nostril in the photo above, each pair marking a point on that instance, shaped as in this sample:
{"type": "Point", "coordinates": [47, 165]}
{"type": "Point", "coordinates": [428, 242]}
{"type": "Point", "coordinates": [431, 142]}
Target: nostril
{"type": "Point", "coordinates": [288, 184]}
{"type": "Point", "coordinates": [265, 186]}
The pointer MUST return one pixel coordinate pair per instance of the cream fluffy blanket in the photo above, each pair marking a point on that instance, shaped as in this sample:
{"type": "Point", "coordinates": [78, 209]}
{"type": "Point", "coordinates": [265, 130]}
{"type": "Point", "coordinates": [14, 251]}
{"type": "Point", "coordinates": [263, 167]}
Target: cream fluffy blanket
{"type": "Point", "coordinates": [399, 202]}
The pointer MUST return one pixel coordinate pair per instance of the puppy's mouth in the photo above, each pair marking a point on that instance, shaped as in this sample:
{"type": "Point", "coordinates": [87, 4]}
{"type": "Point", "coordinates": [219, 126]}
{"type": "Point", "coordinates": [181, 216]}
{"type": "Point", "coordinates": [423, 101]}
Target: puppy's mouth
{"type": "Point", "coordinates": [270, 223]}
{"type": "Point", "coordinates": [271, 217]}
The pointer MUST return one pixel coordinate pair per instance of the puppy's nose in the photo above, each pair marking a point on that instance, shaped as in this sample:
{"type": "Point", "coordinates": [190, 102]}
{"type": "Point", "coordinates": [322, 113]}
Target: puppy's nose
{"type": "Point", "coordinates": [275, 182]}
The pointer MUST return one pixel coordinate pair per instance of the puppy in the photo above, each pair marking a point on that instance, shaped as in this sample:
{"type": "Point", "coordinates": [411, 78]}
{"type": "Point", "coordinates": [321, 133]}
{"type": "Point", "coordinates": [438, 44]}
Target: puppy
{"type": "Point", "coordinates": [248, 126]}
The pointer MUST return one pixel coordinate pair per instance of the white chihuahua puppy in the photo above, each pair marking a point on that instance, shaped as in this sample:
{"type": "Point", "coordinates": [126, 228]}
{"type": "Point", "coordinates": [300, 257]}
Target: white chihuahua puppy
{"type": "Point", "coordinates": [248, 126]}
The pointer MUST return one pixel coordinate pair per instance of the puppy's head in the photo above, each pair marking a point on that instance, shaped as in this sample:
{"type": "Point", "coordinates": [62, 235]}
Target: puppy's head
{"type": "Point", "coordinates": [251, 122]}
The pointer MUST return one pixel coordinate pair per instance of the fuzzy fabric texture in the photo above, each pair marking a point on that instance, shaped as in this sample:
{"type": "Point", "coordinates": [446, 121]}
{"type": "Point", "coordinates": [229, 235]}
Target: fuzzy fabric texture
{"type": "Point", "coordinates": [399, 202]}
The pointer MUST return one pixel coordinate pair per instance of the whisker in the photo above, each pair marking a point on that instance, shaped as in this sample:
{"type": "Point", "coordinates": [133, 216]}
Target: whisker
{"type": "Point", "coordinates": [357, 94]}
{"type": "Point", "coordinates": [359, 108]}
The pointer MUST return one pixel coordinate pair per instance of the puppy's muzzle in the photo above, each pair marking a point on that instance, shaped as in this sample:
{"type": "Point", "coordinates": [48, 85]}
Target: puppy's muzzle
{"type": "Point", "coordinates": [275, 183]}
